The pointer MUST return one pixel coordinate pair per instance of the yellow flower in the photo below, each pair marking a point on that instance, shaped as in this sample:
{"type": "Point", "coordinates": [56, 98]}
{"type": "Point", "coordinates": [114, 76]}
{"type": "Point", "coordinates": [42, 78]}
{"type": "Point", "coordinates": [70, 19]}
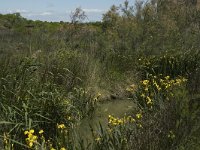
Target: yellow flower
{"type": "Point", "coordinates": [145, 82]}
{"type": "Point", "coordinates": [140, 125]}
{"type": "Point", "coordinates": [157, 86]}
{"type": "Point", "coordinates": [130, 119]}
{"type": "Point", "coordinates": [142, 95]}
{"type": "Point", "coordinates": [61, 126]}
{"type": "Point", "coordinates": [31, 139]}
{"type": "Point", "coordinates": [31, 131]}
{"type": "Point", "coordinates": [117, 121]}
{"type": "Point", "coordinates": [172, 81]}
{"type": "Point", "coordinates": [26, 132]}
{"type": "Point", "coordinates": [149, 100]}
{"type": "Point", "coordinates": [167, 77]}
{"type": "Point", "coordinates": [34, 138]}
{"type": "Point", "coordinates": [41, 131]}
{"type": "Point", "coordinates": [184, 79]}
{"type": "Point", "coordinates": [128, 89]}
{"type": "Point", "coordinates": [120, 121]}
{"type": "Point", "coordinates": [63, 148]}
{"type": "Point", "coordinates": [99, 94]}
{"type": "Point", "coordinates": [30, 144]}
{"type": "Point", "coordinates": [5, 138]}
{"type": "Point", "coordinates": [139, 116]}
{"type": "Point", "coordinates": [98, 139]}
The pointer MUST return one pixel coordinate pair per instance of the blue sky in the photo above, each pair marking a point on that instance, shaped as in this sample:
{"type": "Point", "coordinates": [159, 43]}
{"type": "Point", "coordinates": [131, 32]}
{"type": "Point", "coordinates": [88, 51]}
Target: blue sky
{"type": "Point", "coordinates": [57, 10]}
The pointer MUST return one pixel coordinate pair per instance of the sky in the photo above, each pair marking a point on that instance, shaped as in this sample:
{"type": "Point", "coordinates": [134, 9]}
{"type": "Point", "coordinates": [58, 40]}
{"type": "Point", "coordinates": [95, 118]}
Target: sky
{"type": "Point", "coordinates": [57, 10]}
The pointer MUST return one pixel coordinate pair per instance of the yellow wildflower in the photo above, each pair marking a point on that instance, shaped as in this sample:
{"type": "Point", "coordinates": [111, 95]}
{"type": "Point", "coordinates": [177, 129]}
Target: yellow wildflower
{"type": "Point", "coordinates": [139, 125]}
{"type": "Point", "coordinates": [5, 138]}
{"type": "Point", "coordinates": [139, 115]}
{"type": "Point", "coordinates": [69, 117]}
{"type": "Point", "coordinates": [98, 139]}
{"type": "Point", "coordinates": [167, 77]}
{"type": "Point", "coordinates": [41, 131]}
{"type": "Point", "coordinates": [130, 119]}
{"type": "Point", "coordinates": [99, 94]}
{"type": "Point", "coordinates": [161, 80]}
{"type": "Point", "coordinates": [26, 132]}
{"type": "Point", "coordinates": [157, 86]}
{"type": "Point", "coordinates": [60, 126]}
{"type": "Point", "coordinates": [149, 100]}
{"type": "Point", "coordinates": [145, 82]}
{"type": "Point", "coordinates": [128, 89]}
{"type": "Point", "coordinates": [184, 79]}
{"type": "Point", "coordinates": [31, 139]}
{"type": "Point", "coordinates": [142, 95]}
{"type": "Point", "coordinates": [30, 144]}
{"type": "Point", "coordinates": [31, 131]}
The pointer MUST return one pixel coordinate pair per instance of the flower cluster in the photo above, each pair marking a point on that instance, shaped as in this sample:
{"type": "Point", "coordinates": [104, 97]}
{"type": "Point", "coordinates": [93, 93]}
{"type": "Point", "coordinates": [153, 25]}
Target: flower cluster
{"type": "Point", "coordinates": [139, 116]}
{"type": "Point", "coordinates": [167, 83]}
{"type": "Point", "coordinates": [38, 141]}
{"type": "Point", "coordinates": [162, 83]}
{"type": "Point", "coordinates": [61, 126]}
{"type": "Point", "coordinates": [119, 121]}
{"type": "Point", "coordinates": [158, 86]}
{"type": "Point", "coordinates": [31, 138]}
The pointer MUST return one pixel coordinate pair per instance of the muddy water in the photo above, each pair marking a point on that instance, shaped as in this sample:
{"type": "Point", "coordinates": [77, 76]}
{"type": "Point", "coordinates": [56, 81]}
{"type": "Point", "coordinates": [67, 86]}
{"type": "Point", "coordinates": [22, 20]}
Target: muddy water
{"type": "Point", "coordinates": [117, 108]}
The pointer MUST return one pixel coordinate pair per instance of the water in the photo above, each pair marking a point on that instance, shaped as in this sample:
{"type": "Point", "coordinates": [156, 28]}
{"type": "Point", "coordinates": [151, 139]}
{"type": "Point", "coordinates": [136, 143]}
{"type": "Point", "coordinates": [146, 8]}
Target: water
{"type": "Point", "coordinates": [116, 108]}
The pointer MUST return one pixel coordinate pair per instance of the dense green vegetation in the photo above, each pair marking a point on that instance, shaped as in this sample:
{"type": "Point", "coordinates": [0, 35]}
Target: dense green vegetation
{"type": "Point", "coordinates": [52, 75]}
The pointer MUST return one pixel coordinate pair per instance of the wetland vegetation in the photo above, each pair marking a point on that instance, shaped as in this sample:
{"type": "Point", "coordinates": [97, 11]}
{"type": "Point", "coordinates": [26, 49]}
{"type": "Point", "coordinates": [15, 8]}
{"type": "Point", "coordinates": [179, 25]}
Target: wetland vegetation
{"type": "Point", "coordinates": [128, 82]}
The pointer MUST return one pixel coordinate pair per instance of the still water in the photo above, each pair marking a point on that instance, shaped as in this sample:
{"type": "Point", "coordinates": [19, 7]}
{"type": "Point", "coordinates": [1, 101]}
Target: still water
{"type": "Point", "coordinates": [116, 108]}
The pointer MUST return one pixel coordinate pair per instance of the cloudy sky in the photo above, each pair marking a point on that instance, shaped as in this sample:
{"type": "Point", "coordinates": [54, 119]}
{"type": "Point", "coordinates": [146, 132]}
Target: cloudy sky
{"type": "Point", "coordinates": [57, 10]}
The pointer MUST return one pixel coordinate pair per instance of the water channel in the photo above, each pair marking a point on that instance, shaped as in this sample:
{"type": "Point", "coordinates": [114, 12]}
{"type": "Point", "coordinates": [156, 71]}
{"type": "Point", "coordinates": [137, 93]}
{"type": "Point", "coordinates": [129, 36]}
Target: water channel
{"type": "Point", "coordinates": [116, 108]}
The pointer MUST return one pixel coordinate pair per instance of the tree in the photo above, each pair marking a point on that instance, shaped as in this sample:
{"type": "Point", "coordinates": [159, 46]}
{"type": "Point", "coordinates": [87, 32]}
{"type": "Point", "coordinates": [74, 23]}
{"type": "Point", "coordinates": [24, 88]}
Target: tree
{"type": "Point", "coordinates": [78, 16]}
{"type": "Point", "coordinates": [128, 11]}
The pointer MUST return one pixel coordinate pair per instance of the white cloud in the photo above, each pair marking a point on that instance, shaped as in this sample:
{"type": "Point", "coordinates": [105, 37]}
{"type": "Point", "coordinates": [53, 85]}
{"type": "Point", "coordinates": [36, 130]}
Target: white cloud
{"type": "Point", "coordinates": [27, 13]}
{"type": "Point", "coordinates": [21, 11]}
{"type": "Point", "coordinates": [45, 14]}
{"type": "Point", "coordinates": [30, 14]}
{"type": "Point", "coordinates": [10, 11]}
{"type": "Point", "coordinates": [93, 10]}
{"type": "Point", "coordinates": [52, 15]}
